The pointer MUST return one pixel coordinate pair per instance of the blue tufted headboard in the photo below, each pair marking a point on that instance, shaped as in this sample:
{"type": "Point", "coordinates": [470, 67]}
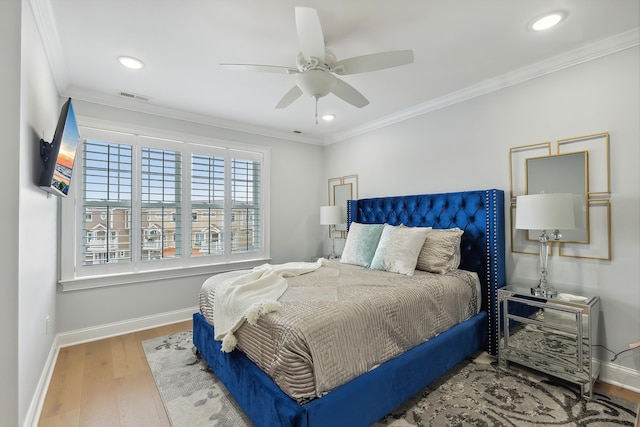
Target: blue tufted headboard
{"type": "Point", "coordinates": [479, 213]}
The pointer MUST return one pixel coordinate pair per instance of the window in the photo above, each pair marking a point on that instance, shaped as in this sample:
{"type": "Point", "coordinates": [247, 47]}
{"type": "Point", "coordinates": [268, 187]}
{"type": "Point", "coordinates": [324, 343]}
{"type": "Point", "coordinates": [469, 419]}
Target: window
{"type": "Point", "coordinates": [161, 203]}
{"type": "Point", "coordinates": [245, 209]}
{"type": "Point", "coordinates": [208, 190]}
{"type": "Point", "coordinates": [106, 192]}
{"type": "Point", "coordinates": [134, 192]}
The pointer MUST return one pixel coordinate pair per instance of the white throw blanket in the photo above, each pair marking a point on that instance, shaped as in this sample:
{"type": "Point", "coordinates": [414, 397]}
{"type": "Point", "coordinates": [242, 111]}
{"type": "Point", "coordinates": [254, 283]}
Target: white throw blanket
{"type": "Point", "coordinates": [252, 295]}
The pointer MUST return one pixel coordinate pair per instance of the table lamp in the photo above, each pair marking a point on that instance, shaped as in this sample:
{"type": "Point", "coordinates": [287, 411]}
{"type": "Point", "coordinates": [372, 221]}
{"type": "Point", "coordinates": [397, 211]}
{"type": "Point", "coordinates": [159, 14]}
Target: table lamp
{"type": "Point", "coordinates": [545, 212]}
{"type": "Point", "coordinates": [331, 216]}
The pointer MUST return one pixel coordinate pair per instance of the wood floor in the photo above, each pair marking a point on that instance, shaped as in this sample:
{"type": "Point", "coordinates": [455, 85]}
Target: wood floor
{"type": "Point", "coordinates": [109, 383]}
{"type": "Point", "coordinates": [106, 383]}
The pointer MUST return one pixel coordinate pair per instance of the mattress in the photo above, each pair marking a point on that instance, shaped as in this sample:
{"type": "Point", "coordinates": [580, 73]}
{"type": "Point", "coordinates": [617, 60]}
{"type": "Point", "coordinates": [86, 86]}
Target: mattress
{"type": "Point", "coordinates": [341, 321]}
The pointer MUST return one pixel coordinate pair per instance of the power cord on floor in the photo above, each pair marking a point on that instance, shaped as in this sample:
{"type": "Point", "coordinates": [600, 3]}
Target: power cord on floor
{"type": "Point", "coordinates": [615, 355]}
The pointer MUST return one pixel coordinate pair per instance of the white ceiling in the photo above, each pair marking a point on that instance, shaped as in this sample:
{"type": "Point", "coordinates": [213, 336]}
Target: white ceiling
{"type": "Point", "coordinates": [462, 48]}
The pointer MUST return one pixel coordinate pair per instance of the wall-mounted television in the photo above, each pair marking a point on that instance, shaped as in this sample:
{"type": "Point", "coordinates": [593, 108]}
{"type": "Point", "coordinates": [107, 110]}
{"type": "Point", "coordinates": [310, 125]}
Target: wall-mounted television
{"type": "Point", "coordinates": [59, 155]}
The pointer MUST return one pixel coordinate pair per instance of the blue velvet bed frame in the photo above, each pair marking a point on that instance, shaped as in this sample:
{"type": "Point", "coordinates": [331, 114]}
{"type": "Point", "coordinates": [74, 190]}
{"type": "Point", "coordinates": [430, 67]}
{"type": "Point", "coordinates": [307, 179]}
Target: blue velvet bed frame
{"type": "Point", "coordinates": [369, 397]}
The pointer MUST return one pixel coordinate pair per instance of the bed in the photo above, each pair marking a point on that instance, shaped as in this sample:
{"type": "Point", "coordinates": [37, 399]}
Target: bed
{"type": "Point", "coordinates": [368, 397]}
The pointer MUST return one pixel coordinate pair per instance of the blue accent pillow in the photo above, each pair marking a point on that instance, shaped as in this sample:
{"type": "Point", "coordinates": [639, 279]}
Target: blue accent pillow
{"type": "Point", "coordinates": [361, 244]}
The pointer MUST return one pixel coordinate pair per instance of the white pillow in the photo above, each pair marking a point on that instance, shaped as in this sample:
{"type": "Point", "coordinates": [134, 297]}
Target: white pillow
{"type": "Point", "coordinates": [441, 251]}
{"type": "Point", "coordinates": [361, 244]}
{"type": "Point", "coordinates": [398, 249]}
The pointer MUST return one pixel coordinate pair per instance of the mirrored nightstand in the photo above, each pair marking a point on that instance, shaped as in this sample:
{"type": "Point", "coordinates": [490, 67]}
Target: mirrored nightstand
{"type": "Point", "coordinates": [554, 335]}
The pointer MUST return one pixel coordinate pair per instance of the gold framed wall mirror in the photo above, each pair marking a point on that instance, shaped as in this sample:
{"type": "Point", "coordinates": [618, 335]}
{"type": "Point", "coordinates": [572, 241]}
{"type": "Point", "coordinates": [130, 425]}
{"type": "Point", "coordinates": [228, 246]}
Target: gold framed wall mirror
{"type": "Point", "coordinates": [562, 173]}
{"type": "Point", "coordinates": [580, 166]}
{"type": "Point", "coordinates": [341, 189]}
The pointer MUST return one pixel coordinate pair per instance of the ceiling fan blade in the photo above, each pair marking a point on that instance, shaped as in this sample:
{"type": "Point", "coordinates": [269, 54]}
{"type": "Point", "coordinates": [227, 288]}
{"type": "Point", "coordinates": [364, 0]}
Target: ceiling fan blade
{"type": "Point", "coordinates": [375, 61]}
{"type": "Point", "coordinates": [261, 68]}
{"type": "Point", "coordinates": [293, 94]}
{"type": "Point", "coordinates": [310, 34]}
{"type": "Point", "coordinates": [347, 93]}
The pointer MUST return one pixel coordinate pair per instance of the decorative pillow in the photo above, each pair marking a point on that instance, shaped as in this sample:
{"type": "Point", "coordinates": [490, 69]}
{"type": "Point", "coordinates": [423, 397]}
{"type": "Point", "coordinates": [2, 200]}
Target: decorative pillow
{"type": "Point", "coordinates": [361, 244]}
{"type": "Point", "coordinates": [441, 251]}
{"type": "Point", "coordinates": [398, 249]}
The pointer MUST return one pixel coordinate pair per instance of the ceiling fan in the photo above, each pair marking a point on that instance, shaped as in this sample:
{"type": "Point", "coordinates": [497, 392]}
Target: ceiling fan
{"type": "Point", "coordinates": [317, 67]}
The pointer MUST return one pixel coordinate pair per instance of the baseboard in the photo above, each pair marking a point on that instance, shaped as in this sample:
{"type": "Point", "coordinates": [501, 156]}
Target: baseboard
{"type": "Point", "coordinates": [33, 414]}
{"type": "Point", "coordinates": [108, 330]}
{"type": "Point", "coordinates": [80, 336]}
{"type": "Point", "coordinates": [620, 376]}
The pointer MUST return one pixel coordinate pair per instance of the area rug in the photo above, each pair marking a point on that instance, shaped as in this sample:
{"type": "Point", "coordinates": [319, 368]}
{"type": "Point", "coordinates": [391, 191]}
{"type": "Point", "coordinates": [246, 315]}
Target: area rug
{"type": "Point", "coordinates": [474, 393]}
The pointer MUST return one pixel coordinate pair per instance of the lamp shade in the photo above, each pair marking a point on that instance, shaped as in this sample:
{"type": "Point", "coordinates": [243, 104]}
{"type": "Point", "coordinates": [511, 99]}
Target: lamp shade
{"type": "Point", "coordinates": [331, 215]}
{"type": "Point", "coordinates": [545, 212]}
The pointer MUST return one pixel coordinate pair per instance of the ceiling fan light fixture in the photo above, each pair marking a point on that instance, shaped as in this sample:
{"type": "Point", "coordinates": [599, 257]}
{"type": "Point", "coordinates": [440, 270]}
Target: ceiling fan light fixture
{"type": "Point", "coordinates": [547, 21]}
{"type": "Point", "coordinates": [131, 62]}
{"type": "Point", "coordinates": [316, 83]}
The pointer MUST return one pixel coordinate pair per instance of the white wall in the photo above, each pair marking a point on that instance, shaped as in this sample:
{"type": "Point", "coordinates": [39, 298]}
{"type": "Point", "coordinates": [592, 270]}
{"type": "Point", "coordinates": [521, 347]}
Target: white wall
{"type": "Point", "coordinates": [296, 177]}
{"type": "Point", "coordinates": [10, 124]}
{"type": "Point", "coordinates": [466, 147]}
{"type": "Point", "coordinates": [28, 107]}
{"type": "Point", "coordinates": [38, 215]}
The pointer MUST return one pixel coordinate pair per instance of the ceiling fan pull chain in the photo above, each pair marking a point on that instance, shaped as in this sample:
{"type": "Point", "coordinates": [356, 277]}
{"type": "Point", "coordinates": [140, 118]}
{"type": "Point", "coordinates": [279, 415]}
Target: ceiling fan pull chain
{"type": "Point", "coordinates": [316, 98]}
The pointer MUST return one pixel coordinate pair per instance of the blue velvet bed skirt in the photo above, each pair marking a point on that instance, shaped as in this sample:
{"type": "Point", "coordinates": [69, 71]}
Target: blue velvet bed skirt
{"type": "Point", "coordinates": [360, 402]}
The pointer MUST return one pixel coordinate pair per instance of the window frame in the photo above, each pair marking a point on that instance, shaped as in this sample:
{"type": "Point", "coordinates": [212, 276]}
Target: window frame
{"type": "Point", "coordinates": [76, 276]}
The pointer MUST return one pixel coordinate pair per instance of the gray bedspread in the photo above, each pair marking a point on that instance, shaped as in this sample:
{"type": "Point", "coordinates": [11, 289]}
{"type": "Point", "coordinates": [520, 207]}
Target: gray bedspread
{"type": "Point", "coordinates": [342, 320]}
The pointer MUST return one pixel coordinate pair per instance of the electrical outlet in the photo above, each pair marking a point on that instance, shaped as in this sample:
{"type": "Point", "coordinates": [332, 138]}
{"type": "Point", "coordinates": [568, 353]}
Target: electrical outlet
{"type": "Point", "coordinates": [46, 330]}
{"type": "Point", "coordinates": [635, 345]}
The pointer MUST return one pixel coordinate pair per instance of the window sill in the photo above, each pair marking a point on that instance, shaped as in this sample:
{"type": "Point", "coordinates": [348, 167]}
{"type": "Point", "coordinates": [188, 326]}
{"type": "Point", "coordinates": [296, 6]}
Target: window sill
{"type": "Point", "coordinates": [82, 283]}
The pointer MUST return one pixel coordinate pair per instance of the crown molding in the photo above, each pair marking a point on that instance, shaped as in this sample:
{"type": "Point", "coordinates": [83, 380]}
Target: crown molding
{"type": "Point", "coordinates": [569, 59]}
{"type": "Point", "coordinates": [43, 15]}
{"type": "Point", "coordinates": [186, 116]}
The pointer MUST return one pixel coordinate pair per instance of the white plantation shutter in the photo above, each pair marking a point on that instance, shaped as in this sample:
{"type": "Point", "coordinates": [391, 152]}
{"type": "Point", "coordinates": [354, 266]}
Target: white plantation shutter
{"type": "Point", "coordinates": [148, 204]}
{"type": "Point", "coordinates": [161, 204]}
{"type": "Point", "coordinates": [246, 198]}
{"type": "Point", "coordinates": [207, 204]}
{"type": "Point", "coordinates": [107, 189]}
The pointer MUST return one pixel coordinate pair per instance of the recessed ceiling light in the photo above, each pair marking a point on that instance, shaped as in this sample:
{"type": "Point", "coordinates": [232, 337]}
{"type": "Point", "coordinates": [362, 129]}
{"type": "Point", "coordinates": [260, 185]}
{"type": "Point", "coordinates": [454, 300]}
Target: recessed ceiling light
{"type": "Point", "coordinates": [548, 21]}
{"type": "Point", "coordinates": [131, 62]}
{"type": "Point", "coordinates": [328, 117]}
